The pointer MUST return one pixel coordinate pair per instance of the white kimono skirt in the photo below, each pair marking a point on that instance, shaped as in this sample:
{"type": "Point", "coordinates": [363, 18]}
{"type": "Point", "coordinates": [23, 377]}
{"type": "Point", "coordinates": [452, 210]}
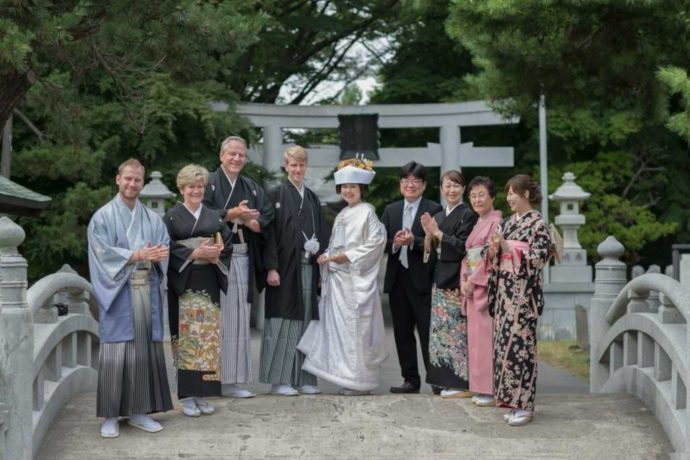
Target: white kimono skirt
{"type": "Point", "coordinates": [347, 345]}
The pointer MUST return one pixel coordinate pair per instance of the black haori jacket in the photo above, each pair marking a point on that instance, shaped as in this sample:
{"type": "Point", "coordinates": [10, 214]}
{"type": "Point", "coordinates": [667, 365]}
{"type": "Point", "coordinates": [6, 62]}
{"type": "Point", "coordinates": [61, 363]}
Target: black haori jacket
{"type": "Point", "coordinates": [216, 196]}
{"type": "Point", "coordinates": [285, 246]}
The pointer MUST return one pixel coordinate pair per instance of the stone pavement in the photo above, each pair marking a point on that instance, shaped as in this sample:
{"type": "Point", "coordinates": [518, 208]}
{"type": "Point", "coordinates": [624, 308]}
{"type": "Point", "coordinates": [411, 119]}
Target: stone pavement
{"type": "Point", "coordinates": [569, 423]}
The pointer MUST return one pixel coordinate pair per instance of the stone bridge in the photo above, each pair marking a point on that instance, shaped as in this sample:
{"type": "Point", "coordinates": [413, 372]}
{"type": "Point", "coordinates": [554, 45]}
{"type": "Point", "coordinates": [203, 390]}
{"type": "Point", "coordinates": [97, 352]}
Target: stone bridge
{"type": "Point", "coordinates": [638, 334]}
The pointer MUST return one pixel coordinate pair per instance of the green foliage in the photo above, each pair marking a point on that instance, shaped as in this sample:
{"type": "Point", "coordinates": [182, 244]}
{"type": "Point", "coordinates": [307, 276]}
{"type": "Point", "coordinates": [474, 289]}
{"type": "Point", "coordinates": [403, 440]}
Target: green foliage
{"type": "Point", "coordinates": [427, 66]}
{"type": "Point", "coordinates": [611, 209]}
{"type": "Point", "coordinates": [596, 61]}
{"type": "Point", "coordinates": [306, 43]}
{"type": "Point", "coordinates": [104, 81]}
{"type": "Point", "coordinates": [678, 84]}
{"type": "Point", "coordinates": [116, 80]}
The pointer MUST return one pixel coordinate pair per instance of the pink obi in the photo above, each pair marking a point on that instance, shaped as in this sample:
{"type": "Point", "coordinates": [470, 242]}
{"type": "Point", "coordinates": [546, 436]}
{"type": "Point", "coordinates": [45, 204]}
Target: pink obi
{"type": "Point", "coordinates": [510, 260]}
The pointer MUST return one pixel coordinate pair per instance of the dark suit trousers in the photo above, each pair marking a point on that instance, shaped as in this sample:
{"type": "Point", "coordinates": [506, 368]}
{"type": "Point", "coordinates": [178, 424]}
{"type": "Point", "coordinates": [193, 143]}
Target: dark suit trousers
{"type": "Point", "coordinates": [409, 309]}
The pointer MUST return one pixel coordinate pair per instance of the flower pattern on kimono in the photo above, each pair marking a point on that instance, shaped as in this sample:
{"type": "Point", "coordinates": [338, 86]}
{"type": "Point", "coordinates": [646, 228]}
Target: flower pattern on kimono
{"type": "Point", "coordinates": [516, 299]}
{"type": "Point", "coordinates": [448, 334]}
{"type": "Point", "coordinates": [198, 344]}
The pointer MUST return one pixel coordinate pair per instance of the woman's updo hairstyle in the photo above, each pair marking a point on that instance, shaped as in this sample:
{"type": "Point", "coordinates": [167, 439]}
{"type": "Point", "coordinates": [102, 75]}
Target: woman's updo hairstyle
{"type": "Point", "coordinates": [523, 183]}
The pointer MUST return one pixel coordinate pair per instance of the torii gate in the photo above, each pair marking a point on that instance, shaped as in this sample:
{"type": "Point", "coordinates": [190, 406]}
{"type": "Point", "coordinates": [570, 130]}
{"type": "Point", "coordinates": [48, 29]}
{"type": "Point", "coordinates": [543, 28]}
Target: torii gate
{"type": "Point", "coordinates": [449, 153]}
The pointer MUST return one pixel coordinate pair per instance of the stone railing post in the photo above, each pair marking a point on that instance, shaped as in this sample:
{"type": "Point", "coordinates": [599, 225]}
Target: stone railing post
{"type": "Point", "coordinates": [610, 277]}
{"type": "Point", "coordinates": [16, 343]}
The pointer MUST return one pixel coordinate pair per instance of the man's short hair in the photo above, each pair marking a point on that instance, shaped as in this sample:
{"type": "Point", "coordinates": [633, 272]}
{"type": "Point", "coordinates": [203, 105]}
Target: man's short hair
{"type": "Point", "coordinates": [227, 140]}
{"type": "Point", "coordinates": [297, 153]}
{"type": "Point", "coordinates": [132, 163]}
{"type": "Point", "coordinates": [191, 174]}
{"type": "Point", "coordinates": [413, 169]}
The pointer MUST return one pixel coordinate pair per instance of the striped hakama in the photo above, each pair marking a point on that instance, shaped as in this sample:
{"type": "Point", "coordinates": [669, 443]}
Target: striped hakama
{"type": "Point", "coordinates": [281, 361]}
{"type": "Point", "coordinates": [235, 353]}
{"type": "Point", "coordinates": [132, 378]}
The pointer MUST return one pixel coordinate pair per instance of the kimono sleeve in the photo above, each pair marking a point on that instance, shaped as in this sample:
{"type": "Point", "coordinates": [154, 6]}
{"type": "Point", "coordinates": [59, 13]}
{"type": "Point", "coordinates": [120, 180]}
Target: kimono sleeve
{"type": "Point", "coordinates": [107, 259]}
{"type": "Point", "coordinates": [480, 277]}
{"type": "Point", "coordinates": [538, 252]}
{"type": "Point", "coordinates": [108, 264]}
{"type": "Point", "coordinates": [270, 250]}
{"type": "Point", "coordinates": [226, 253]}
{"type": "Point", "coordinates": [368, 254]}
{"type": "Point", "coordinates": [180, 255]}
{"type": "Point", "coordinates": [453, 245]}
{"type": "Point", "coordinates": [265, 207]}
{"type": "Point", "coordinates": [385, 218]}
{"type": "Point", "coordinates": [160, 235]}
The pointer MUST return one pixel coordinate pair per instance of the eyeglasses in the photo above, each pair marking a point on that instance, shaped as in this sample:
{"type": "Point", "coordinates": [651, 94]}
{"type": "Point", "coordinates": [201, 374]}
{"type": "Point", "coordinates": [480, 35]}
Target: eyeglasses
{"type": "Point", "coordinates": [411, 181]}
{"type": "Point", "coordinates": [477, 196]}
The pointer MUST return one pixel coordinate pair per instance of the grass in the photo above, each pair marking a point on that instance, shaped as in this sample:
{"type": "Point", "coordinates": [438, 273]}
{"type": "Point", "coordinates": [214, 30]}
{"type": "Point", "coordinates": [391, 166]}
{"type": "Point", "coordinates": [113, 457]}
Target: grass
{"type": "Point", "coordinates": [566, 355]}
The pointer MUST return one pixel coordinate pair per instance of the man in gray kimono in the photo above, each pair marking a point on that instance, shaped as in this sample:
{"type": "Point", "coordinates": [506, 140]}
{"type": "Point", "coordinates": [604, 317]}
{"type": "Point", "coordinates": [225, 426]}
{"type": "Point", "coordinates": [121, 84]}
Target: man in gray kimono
{"type": "Point", "coordinates": [128, 251]}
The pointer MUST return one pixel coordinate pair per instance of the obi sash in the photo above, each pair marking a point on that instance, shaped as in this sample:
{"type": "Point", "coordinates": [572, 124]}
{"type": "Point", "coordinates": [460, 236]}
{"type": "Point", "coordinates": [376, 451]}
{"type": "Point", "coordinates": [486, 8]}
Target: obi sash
{"type": "Point", "coordinates": [193, 243]}
{"type": "Point", "coordinates": [473, 257]}
{"type": "Point", "coordinates": [510, 260]}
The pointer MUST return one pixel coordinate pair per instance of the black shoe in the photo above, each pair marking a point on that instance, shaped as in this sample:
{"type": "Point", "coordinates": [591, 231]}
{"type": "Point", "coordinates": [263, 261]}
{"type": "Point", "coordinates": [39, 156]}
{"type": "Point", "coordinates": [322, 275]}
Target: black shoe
{"type": "Point", "coordinates": [406, 387]}
{"type": "Point", "coordinates": [436, 390]}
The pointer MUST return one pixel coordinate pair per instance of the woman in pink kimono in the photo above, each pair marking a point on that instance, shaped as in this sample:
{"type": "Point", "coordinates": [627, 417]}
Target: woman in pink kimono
{"type": "Point", "coordinates": [474, 294]}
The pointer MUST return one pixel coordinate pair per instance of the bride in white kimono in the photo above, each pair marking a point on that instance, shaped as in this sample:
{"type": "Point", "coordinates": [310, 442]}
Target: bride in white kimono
{"type": "Point", "coordinates": [348, 344]}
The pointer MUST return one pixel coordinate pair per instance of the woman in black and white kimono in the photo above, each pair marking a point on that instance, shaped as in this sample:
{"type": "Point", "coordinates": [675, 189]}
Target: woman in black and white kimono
{"type": "Point", "coordinates": [200, 251]}
{"type": "Point", "coordinates": [446, 233]}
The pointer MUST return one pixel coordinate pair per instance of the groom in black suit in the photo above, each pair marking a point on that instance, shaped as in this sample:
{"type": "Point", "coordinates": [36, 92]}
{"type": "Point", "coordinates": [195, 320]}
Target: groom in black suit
{"type": "Point", "coordinates": [408, 278]}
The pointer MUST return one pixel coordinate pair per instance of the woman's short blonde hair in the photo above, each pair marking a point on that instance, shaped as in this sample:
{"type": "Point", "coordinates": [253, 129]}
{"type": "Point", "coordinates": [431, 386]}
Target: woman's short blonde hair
{"type": "Point", "coordinates": [191, 174]}
{"type": "Point", "coordinates": [297, 153]}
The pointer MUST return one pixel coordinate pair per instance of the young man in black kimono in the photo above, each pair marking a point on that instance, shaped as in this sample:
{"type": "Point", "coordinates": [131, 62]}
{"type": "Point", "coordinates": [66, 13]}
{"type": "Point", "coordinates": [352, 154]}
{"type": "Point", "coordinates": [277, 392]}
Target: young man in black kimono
{"type": "Point", "coordinates": [296, 237]}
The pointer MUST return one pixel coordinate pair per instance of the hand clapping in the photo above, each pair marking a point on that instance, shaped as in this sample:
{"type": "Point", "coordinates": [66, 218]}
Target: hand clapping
{"type": "Point", "coordinates": [429, 225]}
{"type": "Point", "coordinates": [403, 237]}
{"type": "Point", "coordinates": [242, 212]}
{"type": "Point", "coordinates": [152, 253]}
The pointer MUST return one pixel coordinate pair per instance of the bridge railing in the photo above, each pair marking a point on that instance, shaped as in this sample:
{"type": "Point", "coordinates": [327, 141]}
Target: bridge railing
{"type": "Point", "coordinates": [48, 353]}
{"type": "Point", "coordinates": [639, 341]}
{"type": "Point", "coordinates": [65, 345]}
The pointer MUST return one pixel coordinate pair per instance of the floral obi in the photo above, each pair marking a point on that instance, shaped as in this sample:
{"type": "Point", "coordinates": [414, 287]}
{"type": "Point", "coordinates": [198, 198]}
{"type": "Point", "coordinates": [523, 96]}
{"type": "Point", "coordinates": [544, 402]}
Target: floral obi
{"type": "Point", "coordinates": [473, 258]}
{"type": "Point", "coordinates": [510, 260]}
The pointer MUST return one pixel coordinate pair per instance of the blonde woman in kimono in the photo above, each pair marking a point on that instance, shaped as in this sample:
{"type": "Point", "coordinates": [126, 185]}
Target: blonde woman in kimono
{"type": "Point", "coordinates": [347, 345]}
{"type": "Point", "coordinates": [519, 251]}
{"type": "Point", "coordinates": [473, 291]}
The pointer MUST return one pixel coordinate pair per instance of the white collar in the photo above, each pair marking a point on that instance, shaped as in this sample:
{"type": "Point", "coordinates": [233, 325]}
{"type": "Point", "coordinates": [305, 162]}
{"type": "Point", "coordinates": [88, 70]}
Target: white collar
{"type": "Point", "coordinates": [131, 210]}
{"type": "Point", "coordinates": [196, 213]}
{"type": "Point", "coordinates": [449, 210]}
{"type": "Point", "coordinates": [299, 190]}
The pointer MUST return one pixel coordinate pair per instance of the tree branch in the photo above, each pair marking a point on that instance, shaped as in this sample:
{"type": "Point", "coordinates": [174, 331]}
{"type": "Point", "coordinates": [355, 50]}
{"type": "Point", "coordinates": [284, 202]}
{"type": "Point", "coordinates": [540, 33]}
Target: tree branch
{"type": "Point", "coordinates": [13, 86]}
{"type": "Point", "coordinates": [332, 63]}
{"type": "Point", "coordinates": [41, 135]}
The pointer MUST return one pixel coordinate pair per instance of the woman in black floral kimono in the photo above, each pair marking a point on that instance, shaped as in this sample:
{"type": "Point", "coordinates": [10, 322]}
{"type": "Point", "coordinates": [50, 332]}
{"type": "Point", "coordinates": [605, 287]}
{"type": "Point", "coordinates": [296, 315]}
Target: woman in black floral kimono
{"type": "Point", "coordinates": [200, 252]}
{"type": "Point", "coordinates": [518, 250]}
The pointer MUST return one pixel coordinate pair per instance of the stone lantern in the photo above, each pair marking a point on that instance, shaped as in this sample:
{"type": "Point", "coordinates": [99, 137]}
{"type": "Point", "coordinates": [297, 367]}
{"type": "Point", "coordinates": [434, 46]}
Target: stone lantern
{"type": "Point", "coordinates": [154, 194]}
{"type": "Point", "coordinates": [573, 266]}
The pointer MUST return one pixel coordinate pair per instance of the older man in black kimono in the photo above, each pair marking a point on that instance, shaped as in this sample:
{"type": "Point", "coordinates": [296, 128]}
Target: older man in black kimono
{"type": "Point", "coordinates": [245, 208]}
{"type": "Point", "coordinates": [297, 236]}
